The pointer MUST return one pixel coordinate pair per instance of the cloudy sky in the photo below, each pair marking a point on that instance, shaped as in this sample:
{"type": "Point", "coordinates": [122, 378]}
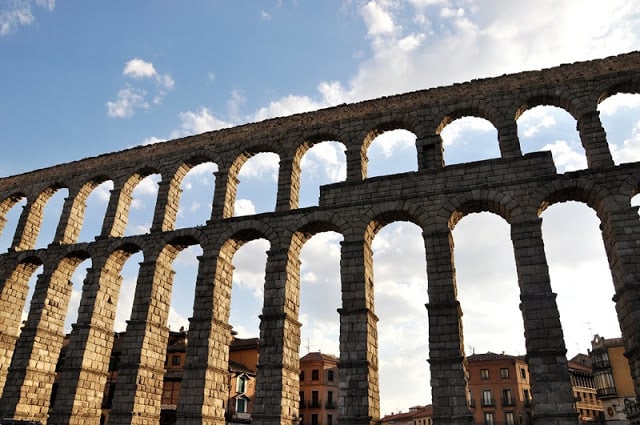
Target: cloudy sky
{"type": "Point", "coordinates": [79, 79]}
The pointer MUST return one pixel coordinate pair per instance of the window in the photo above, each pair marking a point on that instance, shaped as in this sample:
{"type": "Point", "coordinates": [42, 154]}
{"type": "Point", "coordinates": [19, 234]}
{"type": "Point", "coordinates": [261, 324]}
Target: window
{"type": "Point", "coordinates": [330, 403]}
{"type": "Point", "coordinates": [523, 373]}
{"type": "Point", "coordinates": [487, 398]}
{"type": "Point", "coordinates": [302, 376]}
{"type": "Point", "coordinates": [315, 402]}
{"type": "Point", "coordinates": [241, 384]}
{"type": "Point", "coordinates": [301, 399]}
{"type": "Point", "coordinates": [315, 375]}
{"type": "Point", "coordinates": [484, 373]}
{"type": "Point", "coordinates": [527, 397]}
{"type": "Point", "coordinates": [470, 400]}
{"type": "Point", "coordinates": [175, 360]}
{"type": "Point", "coordinates": [330, 375]}
{"type": "Point", "coordinates": [507, 397]}
{"type": "Point", "coordinates": [314, 419]}
{"type": "Point", "coordinates": [241, 405]}
{"type": "Point", "coordinates": [329, 419]}
{"type": "Point", "coordinates": [504, 373]}
{"type": "Point", "coordinates": [488, 418]}
{"type": "Point", "coordinates": [508, 418]}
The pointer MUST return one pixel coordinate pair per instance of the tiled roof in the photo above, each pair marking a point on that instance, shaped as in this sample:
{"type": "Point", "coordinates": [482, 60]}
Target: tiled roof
{"type": "Point", "coordinates": [317, 356]}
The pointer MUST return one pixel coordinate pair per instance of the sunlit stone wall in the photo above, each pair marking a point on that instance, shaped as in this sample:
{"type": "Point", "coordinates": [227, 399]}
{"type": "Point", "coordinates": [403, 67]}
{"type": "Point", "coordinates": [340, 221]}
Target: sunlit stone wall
{"type": "Point", "coordinates": [435, 197]}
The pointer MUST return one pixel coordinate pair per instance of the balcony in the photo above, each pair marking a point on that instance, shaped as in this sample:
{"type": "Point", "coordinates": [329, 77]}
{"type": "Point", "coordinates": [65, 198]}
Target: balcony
{"type": "Point", "coordinates": [508, 402]}
{"type": "Point", "coordinates": [488, 403]}
{"type": "Point", "coordinates": [315, 404]}
{"type": "Point", "coordinates": [331, 405]}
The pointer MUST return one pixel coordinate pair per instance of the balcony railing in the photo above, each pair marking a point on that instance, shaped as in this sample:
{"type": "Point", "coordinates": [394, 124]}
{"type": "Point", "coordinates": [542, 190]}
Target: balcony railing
{"type": "Point", "coordinates": [331, 405]}
{"type": "Point", "coordinates": [315, 404]}
{"type": "Point", "coordinates": [508, 402]}
{"type": "Point", "coordinates": [488, 403]}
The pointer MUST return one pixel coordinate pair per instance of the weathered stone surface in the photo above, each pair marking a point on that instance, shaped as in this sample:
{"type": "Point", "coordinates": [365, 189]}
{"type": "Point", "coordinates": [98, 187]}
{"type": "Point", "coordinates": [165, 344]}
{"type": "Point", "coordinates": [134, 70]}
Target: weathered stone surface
{"type": "Point", "coordinates": [517, 187]}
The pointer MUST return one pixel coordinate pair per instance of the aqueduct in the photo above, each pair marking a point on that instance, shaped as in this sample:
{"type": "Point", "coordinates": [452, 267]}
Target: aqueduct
{"type": "Point", "coordinates": [515, 186]}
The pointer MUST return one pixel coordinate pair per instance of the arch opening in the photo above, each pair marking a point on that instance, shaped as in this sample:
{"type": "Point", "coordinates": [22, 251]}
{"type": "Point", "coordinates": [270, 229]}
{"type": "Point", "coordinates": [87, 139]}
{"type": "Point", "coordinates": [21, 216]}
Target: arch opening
{"type": "Point", "coordinates": [258, 185]}
{"type": "Point", "coordinates": [196, 199]}
{"type": "Point", "coordinates": [141, 208]}
{"type": "Point", "coordinates": [492, 324]}
{"type": "Point", "coordinates": [392, 152]}
{"type": "Point", "coordinates": [96, 208]}
{"type": "Point", "coordinates": [247, 287]}
{"type": "Point", "coordinates": [551, 128]}
{"type": "Point", "coordinates": [580, 275]}
{"type": "Point", "coordinates": [320, 299]}
{"type": "Point", "coordinates": [11, 211]}
{"type": "Point", "coordinates": [620, 117]}
{"type": "Point", "coordinates": [400, 290]}
{"type": "Point", "coordinates": [469, 139]}
{"type": "Point", "coordinates": [486, 276]}
{"type": "Point", "coordinates": [51, 213]}
{"type": "Point", "coordinates": [323, 163]}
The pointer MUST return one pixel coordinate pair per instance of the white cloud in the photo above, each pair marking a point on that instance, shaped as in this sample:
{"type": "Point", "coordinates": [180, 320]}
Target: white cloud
{"type": "Point", "coordinates": [264, 164]}
{"type": "Point", "coordinates": [378, 20]}
{"type": "Point", "coordinates": [621, 101]}
{"type": "Point", "coordinates": [566, 156]}
{"type": "Point", "coordinates": [265, 16]}
{"type": "Point", "coordinates": [536, 119]}
{"type": "Point", "coordinates": [244, 207]}
{"type": "Point", "coordinates": [630, 149]}
{"type": "Point", "coordinates": [287, 106]}
{"type": "Point", "coordinates": [199, 122]}
{"type": "Point", "coordinates": [325, 159]}
{"type": "Point", "coordinates": [129, 101]}
{"type": "Point", "coordinates": [152, 141]}
{"type": "Point", "coordinates": [133, 98]}
{"type": "Point", "coordinates": [390, 142]}
{"type": "Point", "coordinates": [235, 104]}
{"type": "Point", "coordinates": [17, 13]}
{"type": "Point", "coordinates": [454, 131]}
{"type": "Point", "coordinates": [138, 68]}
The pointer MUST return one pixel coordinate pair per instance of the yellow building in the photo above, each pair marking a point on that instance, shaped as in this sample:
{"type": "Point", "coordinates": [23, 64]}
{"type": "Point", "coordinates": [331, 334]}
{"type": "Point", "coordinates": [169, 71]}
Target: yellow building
{"type": "Point", "coordinates": [612, 377]}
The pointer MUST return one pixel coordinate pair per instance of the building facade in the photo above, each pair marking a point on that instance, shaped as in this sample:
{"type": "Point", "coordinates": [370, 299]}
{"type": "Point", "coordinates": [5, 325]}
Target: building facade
{"type": "Point", "coordinates": [318, 389]}
{"type": "Point", "coordinates": [588, 406]}
{"type": "Point", "coordinates": [499, 389]}
{"type": "Point", "coordinates": [417, 415]}
{"type": "Point", "coordinates": [612, 376]}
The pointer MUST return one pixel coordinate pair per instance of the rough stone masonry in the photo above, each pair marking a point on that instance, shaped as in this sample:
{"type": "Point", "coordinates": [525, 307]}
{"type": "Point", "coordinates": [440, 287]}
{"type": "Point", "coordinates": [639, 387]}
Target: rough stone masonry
{"type": "Point", "coordinates": [515, 186]}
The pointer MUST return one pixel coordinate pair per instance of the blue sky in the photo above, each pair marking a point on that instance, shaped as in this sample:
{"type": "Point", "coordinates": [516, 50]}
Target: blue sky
{"type": "Point", "coordinates": [79, 79]}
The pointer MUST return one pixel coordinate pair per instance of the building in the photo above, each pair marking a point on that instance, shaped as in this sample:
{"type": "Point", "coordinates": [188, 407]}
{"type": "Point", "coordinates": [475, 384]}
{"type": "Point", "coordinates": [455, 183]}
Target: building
{"type": "Point", "coordinates": [318, 389]}
{"type": "Point", "coordinates": [243, 359]}
{"type": "Point", "coordinates": [612, 376]}
{"type": "Point", "coordinates": [499, 389]}
{"type": "Point", "coordinates": [417, 415]}
{"type": "Point", "coordinates": [584, 390]}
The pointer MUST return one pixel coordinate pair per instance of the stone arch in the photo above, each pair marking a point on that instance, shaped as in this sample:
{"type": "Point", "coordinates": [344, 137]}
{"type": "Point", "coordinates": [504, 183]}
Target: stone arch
{"type": "Point", "coordinates": [7, 205]}
{"type": "Point", "coordinates": [378, 129]}
{"type": "Point", "coordinates": [31, 375]}
{"type": "Point", "coordinates": [625, 84]}
{"type": "Point", "coordinates": [559, 98]}
{"type": "Point", "coordinates": [236, 167]}
{"type": "Point", "coordinates": [484, 200]}
{"type": "Point", "coordinates": [30, 223]}
{"type": "Point", "coordinates": [485, 111]}
{"type": "Point", "coordinates": [126, 196]}
{"type": "Point", "coordinates": [294, 176]}
{"type": "Point", "coordinates": [588, 125]}
{"type": "Point", "coordinates": [73, 215]}
{"type": "Point", "coordinates": [170, 192]}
